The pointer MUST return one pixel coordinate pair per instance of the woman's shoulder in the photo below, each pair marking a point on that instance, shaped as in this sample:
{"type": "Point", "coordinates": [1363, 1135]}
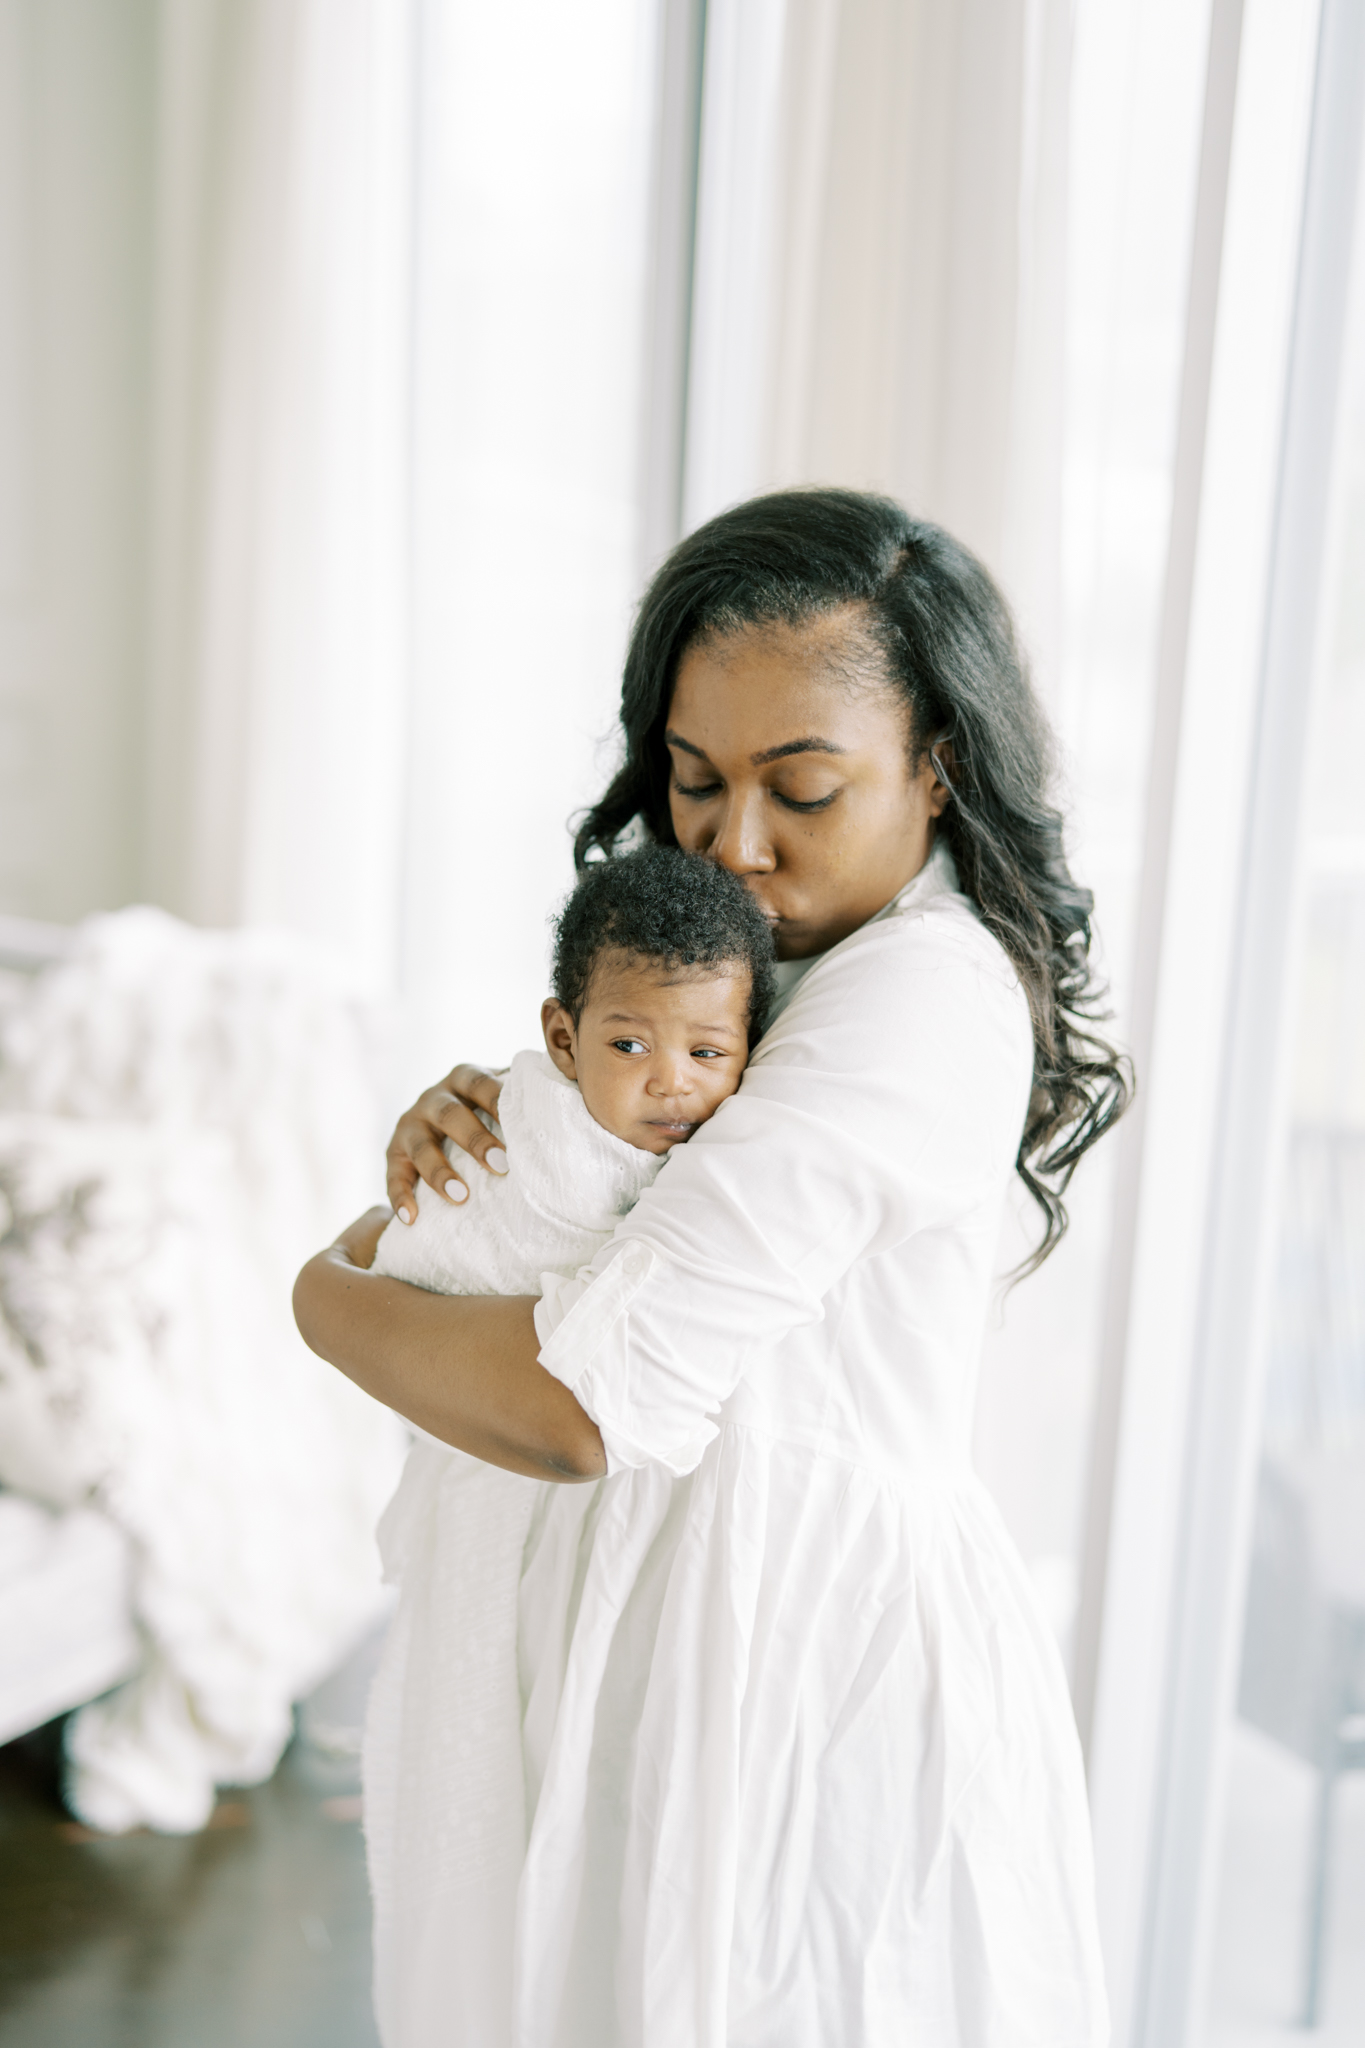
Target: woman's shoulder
{"type": "Point", "coordinates": [935, 911]}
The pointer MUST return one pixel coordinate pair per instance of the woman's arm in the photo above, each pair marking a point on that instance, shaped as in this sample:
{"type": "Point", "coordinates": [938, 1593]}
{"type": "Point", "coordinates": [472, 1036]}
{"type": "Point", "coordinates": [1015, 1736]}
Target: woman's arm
{"type": "Point", "coordinates": [465, 1368]}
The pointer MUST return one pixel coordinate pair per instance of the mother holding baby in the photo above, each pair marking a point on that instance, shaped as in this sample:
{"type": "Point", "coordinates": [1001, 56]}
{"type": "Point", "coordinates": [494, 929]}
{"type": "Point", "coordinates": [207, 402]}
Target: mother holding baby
{"type": "Point", "coordinates": [805, 1772]}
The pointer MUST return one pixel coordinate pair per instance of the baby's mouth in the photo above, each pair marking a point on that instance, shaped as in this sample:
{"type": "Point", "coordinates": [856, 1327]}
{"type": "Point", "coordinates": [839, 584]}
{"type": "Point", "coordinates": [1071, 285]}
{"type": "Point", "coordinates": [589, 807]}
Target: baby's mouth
{"type": "Point", "coordinates": [673, 1127]}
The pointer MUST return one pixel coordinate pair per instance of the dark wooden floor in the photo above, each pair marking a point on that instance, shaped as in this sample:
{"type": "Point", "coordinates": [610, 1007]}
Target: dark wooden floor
{"type": "Point", "coordinates": [254, 1934]}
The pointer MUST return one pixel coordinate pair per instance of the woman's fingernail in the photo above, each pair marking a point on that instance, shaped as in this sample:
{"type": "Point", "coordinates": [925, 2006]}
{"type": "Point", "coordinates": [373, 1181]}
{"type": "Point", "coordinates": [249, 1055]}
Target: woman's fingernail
{"type": "Point", "coordinates": [405, 1215]}
{"type": "Point", "coordinates": [455, 1191]}
{"type": "Point", "coordinates": [496, 1160]}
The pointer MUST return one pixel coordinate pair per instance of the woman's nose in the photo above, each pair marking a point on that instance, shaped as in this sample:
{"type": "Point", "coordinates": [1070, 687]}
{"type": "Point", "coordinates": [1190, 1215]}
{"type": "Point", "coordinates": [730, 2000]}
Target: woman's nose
{"type": "Point", "coordinates": [741, 843]}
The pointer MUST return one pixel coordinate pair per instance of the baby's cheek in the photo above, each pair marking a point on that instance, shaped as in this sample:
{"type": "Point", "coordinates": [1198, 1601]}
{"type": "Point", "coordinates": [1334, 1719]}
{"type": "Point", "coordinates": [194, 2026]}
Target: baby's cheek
{"type": "Point", "coordinates": [722, 1094]}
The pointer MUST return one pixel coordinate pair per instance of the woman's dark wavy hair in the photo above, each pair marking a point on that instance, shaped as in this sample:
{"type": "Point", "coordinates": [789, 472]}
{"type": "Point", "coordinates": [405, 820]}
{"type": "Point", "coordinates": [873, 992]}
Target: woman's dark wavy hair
{"type": "Point", "coordinates": [948, 643]}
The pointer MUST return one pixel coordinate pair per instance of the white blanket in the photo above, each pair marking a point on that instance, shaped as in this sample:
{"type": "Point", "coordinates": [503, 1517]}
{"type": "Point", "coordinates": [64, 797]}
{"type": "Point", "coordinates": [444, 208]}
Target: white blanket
{"type": "Point", "coordinates": [454, 1534]}
{"type": "Point", "coordinates": [184, 1116]}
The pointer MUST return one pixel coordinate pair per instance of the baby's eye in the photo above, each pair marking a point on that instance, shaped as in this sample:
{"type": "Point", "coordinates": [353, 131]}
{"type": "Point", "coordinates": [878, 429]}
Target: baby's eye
{"type": "Point", "coordinates": [629, 1045]}
{"type": "Point", "coordinates": [706, 1052]}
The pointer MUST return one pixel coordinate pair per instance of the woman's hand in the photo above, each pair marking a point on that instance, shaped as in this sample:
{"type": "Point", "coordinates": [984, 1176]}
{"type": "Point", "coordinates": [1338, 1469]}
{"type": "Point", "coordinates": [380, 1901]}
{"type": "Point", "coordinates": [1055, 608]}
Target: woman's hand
{"type": "Point", "coordinates": [360, 1240]}
{"type": "Point", "coordinates": [416, 1149]}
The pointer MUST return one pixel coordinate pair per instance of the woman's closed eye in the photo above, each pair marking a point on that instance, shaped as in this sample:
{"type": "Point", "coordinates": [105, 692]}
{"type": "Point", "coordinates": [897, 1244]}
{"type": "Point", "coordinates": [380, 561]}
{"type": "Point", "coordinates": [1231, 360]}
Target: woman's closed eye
{"type": "Point", "coordinates": [819, 803]}
{"type": "Point", "coordinates": [705, 792]}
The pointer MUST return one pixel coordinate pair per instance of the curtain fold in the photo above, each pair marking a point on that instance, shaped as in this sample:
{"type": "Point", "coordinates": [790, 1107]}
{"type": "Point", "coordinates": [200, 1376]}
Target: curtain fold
{"type": "Point", "coordinates": [880, 270]}
{"type": "Point", "coordinates": [536, 127]}
{"type": "Point", "coordinates": [279, 583]}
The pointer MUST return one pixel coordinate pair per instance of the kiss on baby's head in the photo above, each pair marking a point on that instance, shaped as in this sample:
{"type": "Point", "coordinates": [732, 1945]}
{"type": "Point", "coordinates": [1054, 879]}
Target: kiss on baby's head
{"type": "Point", "coordinates": [663, 978]}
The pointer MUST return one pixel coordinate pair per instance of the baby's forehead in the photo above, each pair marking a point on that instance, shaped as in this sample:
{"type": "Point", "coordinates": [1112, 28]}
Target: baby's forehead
{"type": "Point", "coordinates": [671, 986]}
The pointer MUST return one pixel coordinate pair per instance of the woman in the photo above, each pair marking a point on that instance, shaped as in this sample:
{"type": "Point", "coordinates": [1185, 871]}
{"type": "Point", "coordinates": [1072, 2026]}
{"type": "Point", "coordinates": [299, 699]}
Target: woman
{"type": "Point", "coordinates": [799, 1760]}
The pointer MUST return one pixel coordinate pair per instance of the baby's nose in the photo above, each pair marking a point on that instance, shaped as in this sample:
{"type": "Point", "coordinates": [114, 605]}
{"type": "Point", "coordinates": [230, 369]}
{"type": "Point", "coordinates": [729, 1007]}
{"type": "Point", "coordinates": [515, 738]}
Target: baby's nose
{"type": "Point", "coordinates": [671, 1077]}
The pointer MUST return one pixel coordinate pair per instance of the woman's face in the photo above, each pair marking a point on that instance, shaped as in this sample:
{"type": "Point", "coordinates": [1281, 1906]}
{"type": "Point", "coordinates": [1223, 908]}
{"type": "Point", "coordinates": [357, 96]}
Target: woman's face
{"type": "Point", "coordinates": [791, 767]}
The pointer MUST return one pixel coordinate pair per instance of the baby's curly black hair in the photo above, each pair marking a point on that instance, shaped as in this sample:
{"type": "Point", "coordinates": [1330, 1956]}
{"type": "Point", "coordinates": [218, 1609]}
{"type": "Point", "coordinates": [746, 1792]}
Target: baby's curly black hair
{"type": "Point", "coordinates": [662, 904]}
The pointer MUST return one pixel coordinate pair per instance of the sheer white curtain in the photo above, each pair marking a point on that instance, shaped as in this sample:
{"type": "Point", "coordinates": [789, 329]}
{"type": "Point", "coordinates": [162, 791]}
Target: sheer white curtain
{"type": "Point", "coordinates": [276, 714]}
{"type": "Point", "coordinates": [880, 267]}
{"type": "Point", "coordinates": [400, 268]}
{"type": "Point", "coordinates": [535, 133]}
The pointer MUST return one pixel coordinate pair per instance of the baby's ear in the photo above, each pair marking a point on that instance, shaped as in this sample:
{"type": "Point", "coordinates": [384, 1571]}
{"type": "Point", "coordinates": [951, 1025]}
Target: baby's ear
{"type": "Point", "coordinates": [557, 1025]}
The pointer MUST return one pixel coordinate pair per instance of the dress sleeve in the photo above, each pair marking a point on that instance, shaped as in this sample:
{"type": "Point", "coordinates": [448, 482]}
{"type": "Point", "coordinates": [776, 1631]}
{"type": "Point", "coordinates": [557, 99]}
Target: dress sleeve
{"type": "Point", "coordinates": [887, 1099]}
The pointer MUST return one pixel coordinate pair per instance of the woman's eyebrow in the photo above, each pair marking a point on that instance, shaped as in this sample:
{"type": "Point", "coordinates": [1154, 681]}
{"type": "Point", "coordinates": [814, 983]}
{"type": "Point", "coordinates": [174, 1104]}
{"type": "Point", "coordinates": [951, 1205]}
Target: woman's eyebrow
{"type": "Point", "coordinates": [675, 739]}
{"type": "Point", "coordinates": [806, 746]}
{"type": "Point", "coordinates": [810, 745]}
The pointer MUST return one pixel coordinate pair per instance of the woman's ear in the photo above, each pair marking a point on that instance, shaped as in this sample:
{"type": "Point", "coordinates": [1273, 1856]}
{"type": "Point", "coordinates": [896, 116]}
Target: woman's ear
{"type": "Point", "coordinates": [558, 1027]}
{"type": "Point", "coordinates": [943, 767]}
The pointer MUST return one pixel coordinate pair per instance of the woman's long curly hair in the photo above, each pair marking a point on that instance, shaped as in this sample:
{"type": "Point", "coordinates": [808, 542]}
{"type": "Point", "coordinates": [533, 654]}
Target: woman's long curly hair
{"type": "Point", "coordinates": [948, 643]}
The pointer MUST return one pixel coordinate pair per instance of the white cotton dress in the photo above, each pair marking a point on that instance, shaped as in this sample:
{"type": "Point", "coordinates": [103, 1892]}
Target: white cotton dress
{"type": "Point", "coordinates": [444, 1782]}
{"type": "Point", "coordinates": [798, 1762]}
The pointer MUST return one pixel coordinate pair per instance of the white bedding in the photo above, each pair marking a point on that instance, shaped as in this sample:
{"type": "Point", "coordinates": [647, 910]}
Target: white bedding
{"type": "Point", "coordinates": [66, 1619]}
{"type": "Point", "coordinates": [184, 1116]}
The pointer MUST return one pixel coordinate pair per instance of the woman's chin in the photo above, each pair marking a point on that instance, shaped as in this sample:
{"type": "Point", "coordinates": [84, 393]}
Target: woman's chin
{"type": "Point", "coordinates": [793, 940]}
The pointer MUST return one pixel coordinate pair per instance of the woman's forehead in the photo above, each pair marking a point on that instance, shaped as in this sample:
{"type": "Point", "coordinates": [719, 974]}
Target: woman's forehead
{"type": "Point", "coordinates": [840, 640]}
{"type": "Point", "coordinates": [762, 688]}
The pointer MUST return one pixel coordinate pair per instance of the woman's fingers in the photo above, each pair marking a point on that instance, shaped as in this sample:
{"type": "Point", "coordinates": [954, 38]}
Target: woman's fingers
{"type": "Point", "coordinates": [476, 1085]}
{"type": "Point", "coordinates": [451, 1119]}
{"type": "Point", "coordinates": [471, 1134]}
{"type": "Point", "coordinates": [417, 1148]}
{"type": "Point", "coordinates": [401, 1188]}
{"type": "Point", "coordinates": [417, 1152]}
{"type": "Point", "coordinates": [429, 1157]}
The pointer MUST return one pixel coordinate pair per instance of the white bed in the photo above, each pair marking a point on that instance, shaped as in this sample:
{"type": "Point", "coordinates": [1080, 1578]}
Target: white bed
{"type": "Point", "coordinates": [66, 1615]}
{"type": "Point", "coordinates": [188, 1497]}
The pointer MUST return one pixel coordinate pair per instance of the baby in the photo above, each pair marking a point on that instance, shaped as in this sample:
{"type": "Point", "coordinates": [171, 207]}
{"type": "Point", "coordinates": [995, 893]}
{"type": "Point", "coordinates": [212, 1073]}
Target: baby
{"type": "Point", "coordinates": [662, 979]}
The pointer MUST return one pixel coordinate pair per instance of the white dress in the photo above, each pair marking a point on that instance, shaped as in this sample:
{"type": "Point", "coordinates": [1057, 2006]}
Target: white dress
{"type": "Point", "coordinates": [444, 1784]}
{"type": "Point", "coordinates": [800, 1769]}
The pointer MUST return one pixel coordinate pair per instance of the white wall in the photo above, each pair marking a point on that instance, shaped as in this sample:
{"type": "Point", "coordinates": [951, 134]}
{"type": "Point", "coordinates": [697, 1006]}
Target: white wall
{"type": "Point", "coordinates": [76, 90]}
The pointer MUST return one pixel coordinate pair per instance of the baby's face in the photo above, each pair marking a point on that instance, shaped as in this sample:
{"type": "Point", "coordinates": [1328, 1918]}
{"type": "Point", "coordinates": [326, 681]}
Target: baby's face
{"type": "Point", "coordinates": [655, 1052]}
